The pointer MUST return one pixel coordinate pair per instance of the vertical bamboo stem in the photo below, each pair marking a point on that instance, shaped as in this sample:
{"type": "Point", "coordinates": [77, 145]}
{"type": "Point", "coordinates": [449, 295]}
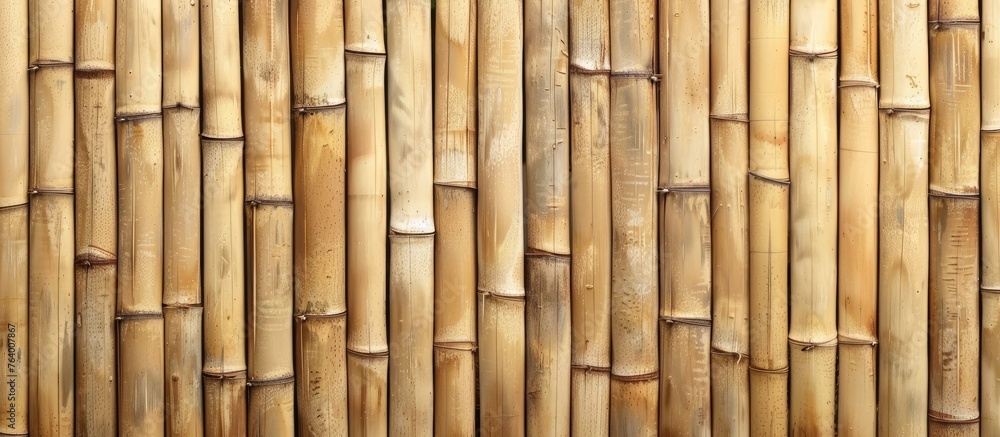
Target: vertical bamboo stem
{"type": "Point", "coordinates": [590, 216]}
{"type": "Point", "coordinates": [903, 217]}
{"type": "Point", "coordinates": [990, 159]}
{"type": "Point", "coordinates": [51, 227]}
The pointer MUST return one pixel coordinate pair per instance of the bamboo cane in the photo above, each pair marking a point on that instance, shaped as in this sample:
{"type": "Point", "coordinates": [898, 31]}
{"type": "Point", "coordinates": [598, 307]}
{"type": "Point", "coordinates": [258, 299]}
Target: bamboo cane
{"type": "Point", "coordinates": [858, 218]}
{"type": "Point", "coordinates": [990, 159]}
{"type": "Point", "coordinates": [729, 100]}
{"type": "Point", "coordinates": [96, 219]}
{"type": "Point", "coordinates": [51, 230]}
{"type": "Point", "coordinates": [547, 216]}
{"type": "Point", "coordinates": [455, 218]}
{"type": "Point", "coordinates": [269, 217]}
{"type": "Point", "coordinates": [500, 241]}
{"type": "Point", "coordinates": [903, 218]}
{"type": "Point", "coordinates": [317, 31]}
{"type": "Point", "coordinates": [590, 217]}
{"type": "Point", "coordinates": [685, 226]}
{"type": "Point", "coordinates": [954, 219]}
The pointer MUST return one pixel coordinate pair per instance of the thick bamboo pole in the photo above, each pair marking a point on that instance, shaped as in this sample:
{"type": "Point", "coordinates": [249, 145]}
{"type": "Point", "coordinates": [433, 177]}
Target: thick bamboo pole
{"type": "Point", "coordinates": [547, 217]}
{"type": "Point", "coordinates": [903, 217]}
{"type": "Point", "coordinates": [367, 343]}
{"type": "Point", "coordinates": [769, 216]}
{"type": "Point", "coordinates": [858, 218]}
{"type": "Point", "coordinates": [990, 159]}
{"type": "Point", "coordinates": [954, 219]}
{"type": "Point", "coordinates": [590, 216]}
{"type": "Point", "coordinates": [182, 308]}
{"type": "Point", "coordinates": [455, 217]}
{"type": "Point", "coordinates": [729, 100]}
{"type": "Point", "coordinates": [685, 224]}
{"type": "Point", "coordinates": [269, 217]}
{"type": "Point", "coordinates": [224, 342]}
{"type": "Point", "coordinates": [500, 234]}
{"type": "Point", "coordinates": [317, 32]}
{"type": "Point", "coordinates": [634, 399]}
{"type": "Point", "coordinates": [51, 227]}
{"type": "Point", "coordinates": [812, 332]}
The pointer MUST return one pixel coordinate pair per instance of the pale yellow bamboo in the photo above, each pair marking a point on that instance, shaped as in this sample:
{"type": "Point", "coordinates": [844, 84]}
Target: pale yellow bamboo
{"type": "Point", "coordinates": [182, 349]}
{"type": "Point", "coordinates": [51, 226]}
{"type": "Point", "coordinates": [990, 159]}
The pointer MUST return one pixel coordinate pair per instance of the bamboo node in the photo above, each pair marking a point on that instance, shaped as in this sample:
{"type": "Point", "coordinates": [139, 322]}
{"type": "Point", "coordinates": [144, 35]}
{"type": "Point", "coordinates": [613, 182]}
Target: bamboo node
{"type": "Point", "coordinates": [463, 346]}
{"type": "Point", "coordinates": [16, 205]}
{"type": "Point", "coordinates": [934, 416]}
{"type": "Point", "coordinates": [989, 289]}
{"type": "Point", "coordinates": [739, 356]}
{"type": "Point", "coordinates": [267, 382]}
{"type": "Point", "coordinates": [587, 368]}
{"type": "Point", "coordinates": [808, 346]}
{"type": "Point", "coordinates": [236, 374]}
{"type": "Point", "coordinates": [687, 321]}
{"type": "Point", "coordinates": [844, 340]}
{"type": "Point", "coordinates": [137, 316]}
{"type": "Point", "coordinates": [768, 371]}
{"type": "Point", "coordinates": [636, 378]}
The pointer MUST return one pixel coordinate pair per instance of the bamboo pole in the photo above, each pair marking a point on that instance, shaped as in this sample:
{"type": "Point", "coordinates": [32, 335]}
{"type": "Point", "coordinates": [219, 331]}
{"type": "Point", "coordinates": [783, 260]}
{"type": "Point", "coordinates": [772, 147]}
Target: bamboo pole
{"type": "Point", "coordinates": [729, 132]}
{"type": "Point", "coordinates": [769, 216]}
{"type": "Point", "coordinates": [685, 225]}
{"type": "Point", "coordinates": [590, 216]}
{"type": "Point", "coordinates": [317, 32]}
{"type": "Point", "coordinates": [634, 399]}
{"type": "Point", "coordinates": [954, 219]}
{"type": "Point", "coordinates": [269, 217]}
{"type": "Point", "coordinates": [990, 159]}
{"type": "Point", "coordinates": [51, 226]}
{"type": "Point", "coordinates": [455, 218]}
{"type": "Point", "coordinates": [903, 217]}
{"type": "Point", "coordinates": [367, 343]}
{"type": "Point", "coordinates": [500, 235]}
{"type": "Point", "coordinates": [224, 342]}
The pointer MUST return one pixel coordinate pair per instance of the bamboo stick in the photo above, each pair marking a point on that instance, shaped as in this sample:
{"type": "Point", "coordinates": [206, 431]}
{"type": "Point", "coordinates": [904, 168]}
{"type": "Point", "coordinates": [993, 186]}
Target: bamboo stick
{"type": "Point", "coordinates": [954, 219]}
{"type": "Point", "coordinates": [317, 32]}
{"type": "Point", "coordinates": [590, 217]}
{"type": "Point", "coordinates": [903, 217]}
{"type": "Point", "coordinates": [500, 241]}
{"type": "Point", "coordinates": [269, 217]}
{"type": "Point", "coordinates": [858, 218]}
{"type": "Point", "coordinates": [990, 282]}
{"type": "Point", "coordinates": [455, 218]}
{"type": "Point", "coordinates": [729, 100]}
{"type": "Point", "coordinates": [685, 226]}
{"type": "Point", "coordinates": [51, 226]}
{"type": "Point", "coordinates": [96, 218]}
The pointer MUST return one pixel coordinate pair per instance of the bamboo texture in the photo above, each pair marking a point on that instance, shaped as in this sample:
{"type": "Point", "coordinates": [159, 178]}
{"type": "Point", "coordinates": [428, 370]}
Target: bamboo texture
{"type": "Point", "coordinates": [989, 396]}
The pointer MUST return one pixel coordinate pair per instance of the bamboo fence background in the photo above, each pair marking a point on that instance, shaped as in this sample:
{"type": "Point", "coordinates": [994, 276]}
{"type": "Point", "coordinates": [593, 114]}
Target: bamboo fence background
{"type": "Point", "coordinates": [500, 217]}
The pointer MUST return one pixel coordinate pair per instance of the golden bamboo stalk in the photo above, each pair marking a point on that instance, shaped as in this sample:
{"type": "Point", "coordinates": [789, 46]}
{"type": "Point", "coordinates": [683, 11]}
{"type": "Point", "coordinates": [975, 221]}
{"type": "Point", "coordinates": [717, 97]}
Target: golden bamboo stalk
{"type": "Point", "coordinates": [500, 233]}
{"type": "Point", "coordinates": [903, 217]}
{"type": "Point", "coordinates": [989, 396]}
{"type": "Point", "coordinates": [269, 217]}
{"type": "Point", "coordinates": [590, 217]}
{"type": "Point", "coordinates": [729, 132]}
{"type": "Point", "coordinates": [96, 220]}
{"type": "Point", "coordinates": [317, 45]}
{"type": "Point", "coordinates": [953, 399]}
{"type": "Point", "coordinates": [685, 225]}
{"type": "Point", "coordinates": [455, 218]}
{"type": "Point", "coordinates": [51, 226]}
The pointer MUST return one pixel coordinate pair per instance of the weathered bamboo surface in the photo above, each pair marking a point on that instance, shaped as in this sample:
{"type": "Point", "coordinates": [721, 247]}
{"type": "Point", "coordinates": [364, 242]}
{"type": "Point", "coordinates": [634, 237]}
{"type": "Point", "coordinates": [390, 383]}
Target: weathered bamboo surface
{"type": "Point", "coordinates": [989, 390]}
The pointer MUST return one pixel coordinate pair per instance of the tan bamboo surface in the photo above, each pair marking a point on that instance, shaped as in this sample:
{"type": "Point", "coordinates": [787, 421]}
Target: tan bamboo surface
{"type": "Point", "coordinates": [685, 227]}
{"type": "Point", "coordinates": [812, 331]}
{"type": "Point", "coordinates": [729, 132]}
{"type": "Point", "coordinates": [903, 218]}
{"type": "Point", "coordinates": [318, 97]}
{"type": "Point", "coordinates": [634, 399]}
{"type": "Point", "coordinates": [953, 179]}
{"type": "Point", "coordinates": [14, 219]}
{"type": "Point", "coordinates": [455, 217]}
{"type": "Point", "coordinates": [367, 220]}
{"type": "Point", "coordinates": [499, 223]}
{"type": "Point", "coordinates": [269, 217]}
{"type": "Point", "coordinates": [51, 226]}
{"type": "Point", "coordinates": [769, 216]}
{"type": "Point", "coordinates": [590, 216]}
{"type": "Point", "coordinates": [547, 217]}
{"type": "Point", "coordinates": [224, 320]}
{"type": "Point", "coordinates": [989, 396]}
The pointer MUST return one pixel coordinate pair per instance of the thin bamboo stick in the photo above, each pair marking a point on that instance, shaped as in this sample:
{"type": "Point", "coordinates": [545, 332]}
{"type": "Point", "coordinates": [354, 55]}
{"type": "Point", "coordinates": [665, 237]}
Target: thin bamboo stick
{"type": "Point", "coordinates": [729, 132]}
{"type": "Point", "coordinates": [269, 217]}
{"type": "Point", "coordinates": [500, 235]}
{"type": "Point", "coordinates": [96, 223]}
{"type": "Point", "coordinates": [317, 32]}
{"type": "Point", "coordinates": [858, 218]}
{"type": "Point", "coordinates": [990, 159]}
{"type": "Point", "coordinates": [455, 218]}
{"type": "Point", "coordinates": [590, 217]}
{"type": "Point", "coordinates": [51, 226]}
{"type": "Point", "coordinates": [903, 217]}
